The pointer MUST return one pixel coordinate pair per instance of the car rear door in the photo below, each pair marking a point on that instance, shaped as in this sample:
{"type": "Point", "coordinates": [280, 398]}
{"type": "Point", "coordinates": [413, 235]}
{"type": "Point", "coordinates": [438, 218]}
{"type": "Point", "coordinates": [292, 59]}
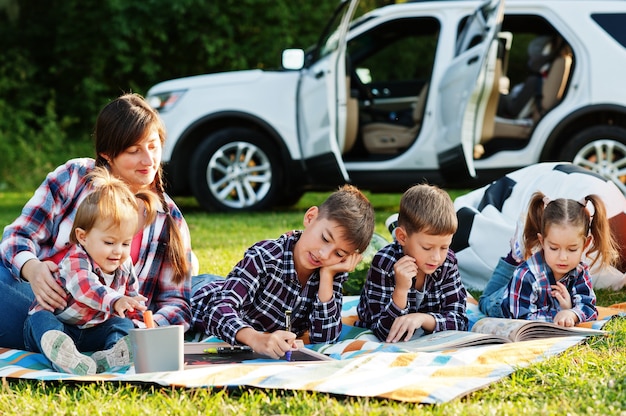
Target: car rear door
{"type": "Point", "coordinates": [322, 99]}
{"type": "Point", "coordinates": [464, 89]}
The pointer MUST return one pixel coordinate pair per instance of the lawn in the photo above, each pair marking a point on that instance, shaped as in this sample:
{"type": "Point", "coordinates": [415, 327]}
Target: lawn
{"type": "Point", "coordinates": [587, 379]}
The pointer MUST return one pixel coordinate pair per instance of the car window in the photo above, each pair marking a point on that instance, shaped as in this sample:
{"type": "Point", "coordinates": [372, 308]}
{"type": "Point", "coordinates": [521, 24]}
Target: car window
{"type": "Point", "coordinates": [472, 29]}
{"type": "Point", "coordinates": [409, 44]}
{"type": "Point", "coordinates": [525, 28]}
{"type": "Point", "coordinates": [328, 41]}
{"type": "Point", "coordinates": [614, 24]}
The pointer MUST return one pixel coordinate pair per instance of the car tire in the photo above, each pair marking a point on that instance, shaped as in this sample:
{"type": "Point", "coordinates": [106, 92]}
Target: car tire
{"type": "Point", "coordinates": [236, 169]}
{"type": "Point", "coordinates": [290, 198]}
{"type": "Point", "coordinates": [601, 149]}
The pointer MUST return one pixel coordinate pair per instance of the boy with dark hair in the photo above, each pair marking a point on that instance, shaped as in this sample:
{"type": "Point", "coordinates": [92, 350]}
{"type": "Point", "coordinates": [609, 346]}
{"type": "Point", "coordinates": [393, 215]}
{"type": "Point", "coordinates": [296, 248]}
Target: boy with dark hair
{"type": "Point", "coordinates": [301, 272]}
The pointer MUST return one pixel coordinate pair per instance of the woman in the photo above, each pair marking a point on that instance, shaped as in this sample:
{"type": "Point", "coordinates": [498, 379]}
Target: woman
{"type": "Point", "coordinates": [129, 137]}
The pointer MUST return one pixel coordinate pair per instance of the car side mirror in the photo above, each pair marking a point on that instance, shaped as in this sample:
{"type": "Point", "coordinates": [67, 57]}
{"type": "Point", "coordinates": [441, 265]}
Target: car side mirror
{"type": "Point", "coordinates": [293, 59]}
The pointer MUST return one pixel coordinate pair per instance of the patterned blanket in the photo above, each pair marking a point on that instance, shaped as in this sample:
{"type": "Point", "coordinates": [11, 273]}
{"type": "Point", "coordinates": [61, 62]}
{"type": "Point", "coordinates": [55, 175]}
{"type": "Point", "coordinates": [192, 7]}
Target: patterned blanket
{"type": "Point", "coordinates": [364, 367]}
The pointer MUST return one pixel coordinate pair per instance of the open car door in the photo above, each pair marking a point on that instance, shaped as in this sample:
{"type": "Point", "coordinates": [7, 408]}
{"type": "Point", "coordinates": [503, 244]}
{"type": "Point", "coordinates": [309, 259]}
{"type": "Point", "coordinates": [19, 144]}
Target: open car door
{"type": "Point", "coordinates": [322, 100]}
{"type": "Point", "coordinates": [465, 89]}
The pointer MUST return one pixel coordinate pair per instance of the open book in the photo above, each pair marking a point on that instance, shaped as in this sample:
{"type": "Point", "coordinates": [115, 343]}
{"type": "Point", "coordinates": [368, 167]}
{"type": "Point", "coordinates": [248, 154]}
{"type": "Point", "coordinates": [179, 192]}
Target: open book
{"type": "Point", "coordinates": [196, 354]}
{"type": "Point", "coordinates": [494, 331]}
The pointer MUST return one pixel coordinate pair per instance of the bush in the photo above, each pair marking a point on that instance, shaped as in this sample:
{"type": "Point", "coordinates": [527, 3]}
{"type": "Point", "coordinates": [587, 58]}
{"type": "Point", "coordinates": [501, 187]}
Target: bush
{"type": "Point", "coordinates": [356, 279]}
{"type": "Point", "coordinates": [62, 60]}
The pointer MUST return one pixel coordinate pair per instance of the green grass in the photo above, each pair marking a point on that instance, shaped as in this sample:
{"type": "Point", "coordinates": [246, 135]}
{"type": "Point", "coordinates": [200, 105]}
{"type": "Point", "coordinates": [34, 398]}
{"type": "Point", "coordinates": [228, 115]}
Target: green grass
{"type": "Point", "coordinates": [585, 380]}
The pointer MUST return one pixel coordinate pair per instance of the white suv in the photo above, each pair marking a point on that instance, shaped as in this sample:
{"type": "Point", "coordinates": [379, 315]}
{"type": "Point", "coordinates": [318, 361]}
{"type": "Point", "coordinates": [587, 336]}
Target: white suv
{"type": "Point", "coordinates": [456, 93]}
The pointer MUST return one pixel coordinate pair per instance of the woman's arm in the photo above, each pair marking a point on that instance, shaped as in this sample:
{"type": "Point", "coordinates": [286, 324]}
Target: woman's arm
{"type": "Point", "coordinates": [42, 231]}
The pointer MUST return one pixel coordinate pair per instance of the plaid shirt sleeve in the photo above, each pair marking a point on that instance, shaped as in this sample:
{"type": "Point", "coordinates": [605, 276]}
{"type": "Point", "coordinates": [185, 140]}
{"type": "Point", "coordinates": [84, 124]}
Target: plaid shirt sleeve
{"type": "Point", "coordinates": [258, 291]}
{"type": "Point", "coordinates": [523, 295]}
{"type": "Point", "coordinates": [224, 308]}
{"type": "Point", "coordinates": [376, 309]}
{"type": "Point", "coordinates": [444, 296]}
{"type": "Point", "coordinates": [326, 316]}
{"type": "Point", "coordinates": [583, 296]}
{"type": "Point", "coordinates": [82, 282]}
{"type": "Point", "coordinates": [43, 228]}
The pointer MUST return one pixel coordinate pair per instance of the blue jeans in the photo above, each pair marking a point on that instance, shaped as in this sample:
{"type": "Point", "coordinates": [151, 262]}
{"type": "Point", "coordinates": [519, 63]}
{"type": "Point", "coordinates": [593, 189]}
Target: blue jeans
{"type": "Point", "coordinates": [16, 297]}
{"type": "Point", "coordinates": [490, 302]}
{"type": "Point", "coordinates": [97, 338]}
{"type": "Point", "coordinates": [197, 282]}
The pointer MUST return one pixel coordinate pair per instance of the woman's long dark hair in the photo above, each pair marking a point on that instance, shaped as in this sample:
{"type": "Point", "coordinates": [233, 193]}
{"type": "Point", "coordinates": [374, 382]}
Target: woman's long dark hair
{"type": "Point", "coordinates": [122, 123]}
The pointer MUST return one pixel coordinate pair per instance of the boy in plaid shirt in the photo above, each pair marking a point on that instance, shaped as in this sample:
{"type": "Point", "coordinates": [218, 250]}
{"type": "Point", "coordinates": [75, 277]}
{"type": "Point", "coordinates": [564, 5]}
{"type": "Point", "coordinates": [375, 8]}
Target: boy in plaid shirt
{"type": "Point", "coordinates": [301, 271]}
{"type": "Point", "coordinates": [413, 284]}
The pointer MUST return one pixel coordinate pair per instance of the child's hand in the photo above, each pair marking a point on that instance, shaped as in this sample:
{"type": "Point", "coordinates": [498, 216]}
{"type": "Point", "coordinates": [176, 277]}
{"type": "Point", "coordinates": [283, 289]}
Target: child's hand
{"type": "Point", "coordinates": [566, 318]}
{"type": "Point", "coordinates": [408, 324]}
{"type": "Point", "coordinates": [560, 293]}
{"type": "Point", "coordinates": [405, 270]}
{"type": "Point", "coordinates": [127, 303]}
{"type": "Point", "coordinates": [274, 345]}
{"type": "Point", "coordinates": [346, 265]}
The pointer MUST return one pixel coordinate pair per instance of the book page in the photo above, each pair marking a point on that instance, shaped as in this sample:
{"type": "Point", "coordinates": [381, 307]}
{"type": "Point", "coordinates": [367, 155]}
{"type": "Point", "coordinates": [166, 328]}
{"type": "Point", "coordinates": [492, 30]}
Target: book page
{"type": "Point", "coordinates": [442, 340]}
{"type": "Point", "coordinates": [503, 327]}
{"type": "Point", "coordinates": [524, 330]}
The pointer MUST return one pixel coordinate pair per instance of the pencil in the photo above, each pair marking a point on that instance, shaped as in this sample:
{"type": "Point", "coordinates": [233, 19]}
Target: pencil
{"type": "Point", "coordinates": [288, 328]}
{"type": "Point", "coordinates": [147, 319]}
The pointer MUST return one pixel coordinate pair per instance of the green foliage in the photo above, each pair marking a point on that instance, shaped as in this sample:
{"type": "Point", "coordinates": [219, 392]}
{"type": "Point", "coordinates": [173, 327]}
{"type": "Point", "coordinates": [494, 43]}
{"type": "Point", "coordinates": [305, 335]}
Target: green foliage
{"type": "Point", "coordinates": [357, 278]}
{"type": "Point", "coordinates": [33, 146]}
{"type": "Point", "coordinates": [62, 60]}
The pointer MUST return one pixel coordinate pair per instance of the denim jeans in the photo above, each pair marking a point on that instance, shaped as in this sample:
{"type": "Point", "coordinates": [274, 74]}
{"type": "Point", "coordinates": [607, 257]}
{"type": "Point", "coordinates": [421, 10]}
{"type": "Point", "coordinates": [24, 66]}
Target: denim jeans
{"type": "Point", "coordinates": [490, 302]}
{"type": "Point", "coordinates": [97, 338]}
{"type": "Point", "coordinates": [197, 282]}
{"type": "Point", "coordinates": [16, 296]}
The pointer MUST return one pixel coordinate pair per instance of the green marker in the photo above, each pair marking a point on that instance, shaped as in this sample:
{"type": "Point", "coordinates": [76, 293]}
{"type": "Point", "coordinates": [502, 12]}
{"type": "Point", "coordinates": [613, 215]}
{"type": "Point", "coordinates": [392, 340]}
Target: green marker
{"type": "Point", "coordinates": [235, 349]}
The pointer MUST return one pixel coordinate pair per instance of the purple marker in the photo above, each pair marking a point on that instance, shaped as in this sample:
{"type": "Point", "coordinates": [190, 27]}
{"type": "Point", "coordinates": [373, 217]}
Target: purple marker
{"type": "Point", "coordinates": [288, 328]}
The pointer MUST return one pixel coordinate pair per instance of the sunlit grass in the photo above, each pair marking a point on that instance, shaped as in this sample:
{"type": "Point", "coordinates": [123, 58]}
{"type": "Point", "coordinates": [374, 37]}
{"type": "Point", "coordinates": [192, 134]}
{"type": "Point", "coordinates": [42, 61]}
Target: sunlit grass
{"type": "Point", "coordinates": [585, 380]}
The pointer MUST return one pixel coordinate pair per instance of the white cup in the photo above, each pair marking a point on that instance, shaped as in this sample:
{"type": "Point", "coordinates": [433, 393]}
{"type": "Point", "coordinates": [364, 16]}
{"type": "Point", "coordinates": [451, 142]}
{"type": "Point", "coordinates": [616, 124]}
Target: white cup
{"type": "Point", "coordinates": [158, 349]}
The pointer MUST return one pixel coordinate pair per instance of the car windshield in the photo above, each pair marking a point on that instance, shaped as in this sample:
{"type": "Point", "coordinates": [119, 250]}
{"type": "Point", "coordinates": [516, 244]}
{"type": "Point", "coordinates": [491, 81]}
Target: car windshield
{"type": "Point", "coordinates": [328, 41]}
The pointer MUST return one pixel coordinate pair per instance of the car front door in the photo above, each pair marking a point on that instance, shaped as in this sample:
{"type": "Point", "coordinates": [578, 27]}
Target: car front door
{"type": "Point", "coordinates": [322, 99]}
{"type": "Point", "coordinates": [465, 88]}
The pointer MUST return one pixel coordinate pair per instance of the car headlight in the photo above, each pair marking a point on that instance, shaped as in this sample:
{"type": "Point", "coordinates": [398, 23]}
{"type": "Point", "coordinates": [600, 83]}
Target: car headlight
{"type": "Point", "coordinates": [164, 101]}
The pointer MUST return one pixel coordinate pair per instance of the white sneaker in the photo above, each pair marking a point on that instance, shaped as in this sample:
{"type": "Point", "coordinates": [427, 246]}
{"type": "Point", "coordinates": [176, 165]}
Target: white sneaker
{"type": "Point", "coordinates": [120, 355]}
{"type": "Point", "coordinates": [60, 349]}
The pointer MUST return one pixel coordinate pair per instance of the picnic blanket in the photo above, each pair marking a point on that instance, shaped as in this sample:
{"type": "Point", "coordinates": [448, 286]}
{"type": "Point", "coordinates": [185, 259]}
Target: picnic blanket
{"type": "Point", "coordinates": [365, 367]}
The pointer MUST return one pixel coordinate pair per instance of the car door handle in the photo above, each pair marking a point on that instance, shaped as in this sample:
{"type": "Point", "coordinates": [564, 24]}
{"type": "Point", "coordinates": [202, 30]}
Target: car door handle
{"type": "Point", "coordinates": [472, 60]}
{"type": "Point", "coordinates": [319, 75]}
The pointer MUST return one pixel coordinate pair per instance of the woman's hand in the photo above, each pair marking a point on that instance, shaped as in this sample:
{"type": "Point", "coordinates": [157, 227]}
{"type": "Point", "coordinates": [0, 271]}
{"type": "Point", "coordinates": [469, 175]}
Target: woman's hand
{"type": "Point", "coordinates": [49, 294]}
